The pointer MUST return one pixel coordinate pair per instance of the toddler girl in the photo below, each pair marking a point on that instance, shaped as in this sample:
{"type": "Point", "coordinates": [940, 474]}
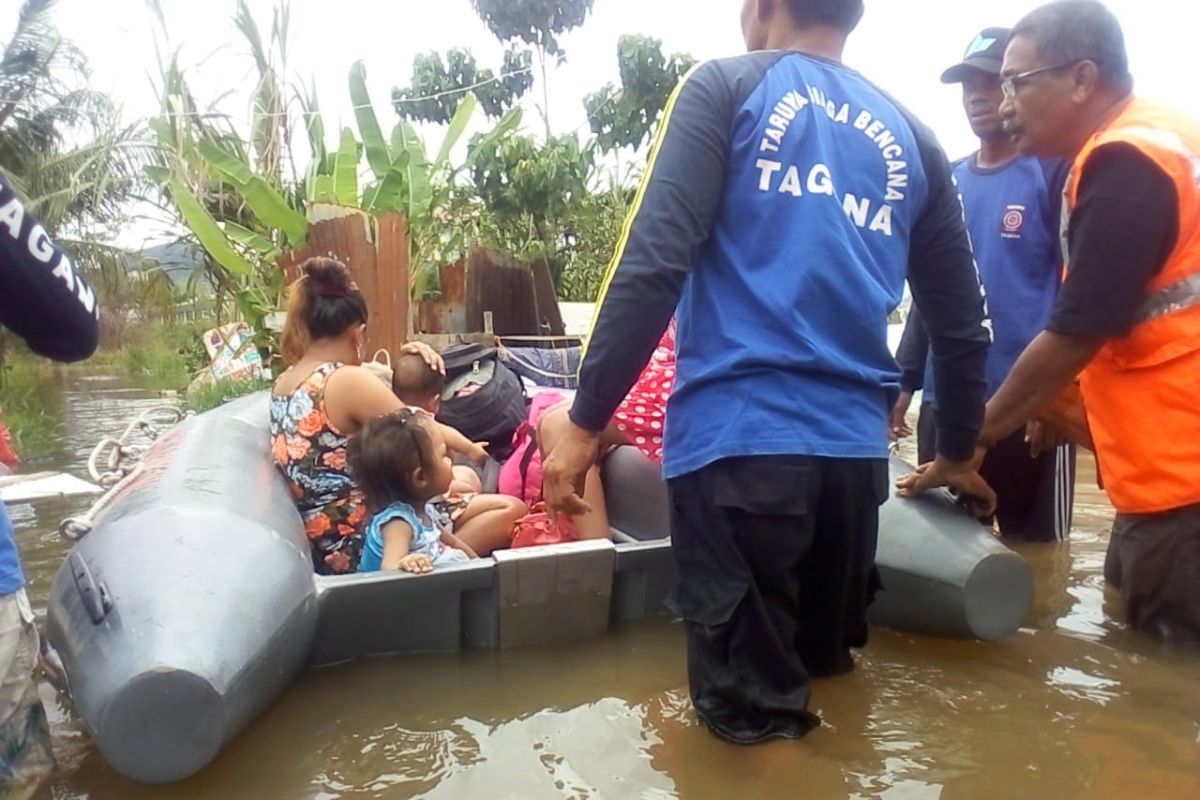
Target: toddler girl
{"type": "Point", "coordinates": [401, 463]}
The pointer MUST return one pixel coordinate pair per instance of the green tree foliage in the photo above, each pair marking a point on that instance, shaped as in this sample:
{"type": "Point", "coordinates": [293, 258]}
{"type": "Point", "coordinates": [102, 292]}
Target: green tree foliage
{"type": "Point", "coordinates": [626, 116]}
{"type": "Point", "coordinates": [438, 86]}
{"type": "Point", "coordinates": [591, 230]}
{"type": "Point", "coordinates": [517, 178]}
{"type": "Point", "coordinates": [538, 23]}
{"type": "Point", "coordinates": [60, 142]}
{"type": "Point", "coordinates": [540, 206]}
{"type": "Point", "coordinates": [238, 196]}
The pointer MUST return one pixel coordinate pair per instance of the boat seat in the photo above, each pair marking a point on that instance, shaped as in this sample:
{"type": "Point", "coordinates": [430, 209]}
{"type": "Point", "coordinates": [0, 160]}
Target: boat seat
{"type": "Point", "coordinates": [636, 495]}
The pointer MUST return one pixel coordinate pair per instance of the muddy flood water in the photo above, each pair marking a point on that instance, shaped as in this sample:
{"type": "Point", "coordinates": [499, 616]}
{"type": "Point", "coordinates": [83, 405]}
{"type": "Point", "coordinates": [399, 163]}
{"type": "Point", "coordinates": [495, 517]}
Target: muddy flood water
{"type": "Point", "coordinates": [1073, 706]}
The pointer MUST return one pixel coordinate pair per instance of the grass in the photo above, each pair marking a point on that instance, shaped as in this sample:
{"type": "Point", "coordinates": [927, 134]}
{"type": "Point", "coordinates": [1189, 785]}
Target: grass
{"type": "Point", "coordinates": [155, 357]}
{"type": "Point", "coordinates": [222, 392]}
{"type": "Point", "coordinates": [28, 398]}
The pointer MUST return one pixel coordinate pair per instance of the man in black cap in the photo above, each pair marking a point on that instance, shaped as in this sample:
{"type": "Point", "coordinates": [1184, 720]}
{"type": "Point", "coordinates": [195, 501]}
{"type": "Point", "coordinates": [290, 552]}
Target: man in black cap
{"type": "Point", "coordinates": [1012, 205]}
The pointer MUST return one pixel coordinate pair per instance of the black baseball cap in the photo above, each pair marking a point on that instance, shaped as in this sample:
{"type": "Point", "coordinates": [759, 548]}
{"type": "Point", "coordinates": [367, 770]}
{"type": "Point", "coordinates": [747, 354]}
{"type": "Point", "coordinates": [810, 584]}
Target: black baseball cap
{"type": "Point", "coordinates": [985, 53]}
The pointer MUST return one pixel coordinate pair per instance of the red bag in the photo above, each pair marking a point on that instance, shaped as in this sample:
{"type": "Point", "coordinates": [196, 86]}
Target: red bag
{"type": "Point", "coordinates": [536, 529]}
{"type": "Point", "coordinates": [8, 456]}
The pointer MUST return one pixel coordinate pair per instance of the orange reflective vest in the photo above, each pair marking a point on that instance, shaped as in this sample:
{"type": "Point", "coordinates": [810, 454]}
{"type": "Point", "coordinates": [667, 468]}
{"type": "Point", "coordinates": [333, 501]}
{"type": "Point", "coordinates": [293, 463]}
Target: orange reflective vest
{"type": "Point", "coordinates": [1142, 392]}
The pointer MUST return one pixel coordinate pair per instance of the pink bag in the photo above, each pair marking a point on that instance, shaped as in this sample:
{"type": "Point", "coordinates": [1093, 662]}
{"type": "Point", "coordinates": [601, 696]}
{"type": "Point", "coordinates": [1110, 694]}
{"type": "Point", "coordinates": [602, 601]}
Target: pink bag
{"type": "Point", "coordinates": [521, 475]}
{"type": "Point", "coordinates": [536, 529]}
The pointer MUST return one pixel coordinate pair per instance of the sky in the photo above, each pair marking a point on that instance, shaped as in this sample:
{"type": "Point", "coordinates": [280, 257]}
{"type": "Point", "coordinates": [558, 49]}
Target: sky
{"type": "Point", "coordinates": [903, 45]}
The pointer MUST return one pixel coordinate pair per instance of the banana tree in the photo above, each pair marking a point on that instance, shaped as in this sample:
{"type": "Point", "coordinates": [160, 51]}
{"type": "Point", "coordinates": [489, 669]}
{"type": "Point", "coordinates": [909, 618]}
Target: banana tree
{"type": "Point", "coordinates": [231, 195]}
{"type": "Point", "coordinates": [401, 176]}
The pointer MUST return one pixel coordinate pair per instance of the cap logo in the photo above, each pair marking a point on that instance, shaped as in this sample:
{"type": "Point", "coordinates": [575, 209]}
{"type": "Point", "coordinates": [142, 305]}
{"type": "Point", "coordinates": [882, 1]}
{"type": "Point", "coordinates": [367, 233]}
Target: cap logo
{"type": "Point", "coordinates": [980, 45]}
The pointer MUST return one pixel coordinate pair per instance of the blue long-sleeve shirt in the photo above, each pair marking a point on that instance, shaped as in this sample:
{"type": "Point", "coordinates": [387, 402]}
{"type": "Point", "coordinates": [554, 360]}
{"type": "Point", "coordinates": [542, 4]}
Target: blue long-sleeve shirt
{"type": "Point", "coordinates": [786, 201]}
{"type": "Point", "coordinates": [45, 301]}
{"type": "Point", "coordinates": [1012, 214]}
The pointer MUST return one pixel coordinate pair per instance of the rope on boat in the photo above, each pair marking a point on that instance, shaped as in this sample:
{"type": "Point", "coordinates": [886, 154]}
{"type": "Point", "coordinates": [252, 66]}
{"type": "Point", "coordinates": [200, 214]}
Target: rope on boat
{"type": "Point", "coordinates": [123, 464]}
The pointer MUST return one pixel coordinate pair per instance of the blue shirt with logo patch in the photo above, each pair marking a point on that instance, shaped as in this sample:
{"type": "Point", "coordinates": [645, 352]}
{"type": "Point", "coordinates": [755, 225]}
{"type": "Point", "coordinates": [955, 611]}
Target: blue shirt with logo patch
{"type": "Point", "coordinates": [1012, 214]}
{"type": "Point", "coordinates": [785, 203]}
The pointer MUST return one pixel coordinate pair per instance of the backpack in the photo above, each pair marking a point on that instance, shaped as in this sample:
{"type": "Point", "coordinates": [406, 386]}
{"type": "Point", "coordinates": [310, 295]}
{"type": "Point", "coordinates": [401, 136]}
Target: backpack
{"type": "Point", "coordinates": [483, 399]}
{"type": "Point", "coordinates": [521, 475]}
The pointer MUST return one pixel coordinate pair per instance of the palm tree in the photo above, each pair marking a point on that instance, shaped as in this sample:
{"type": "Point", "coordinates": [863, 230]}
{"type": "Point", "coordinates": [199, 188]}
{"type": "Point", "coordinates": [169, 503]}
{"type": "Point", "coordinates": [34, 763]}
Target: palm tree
{"type": "Point", "coordinates": [65, 151]}
{"type": "Point", "coordinates": [61, 143]}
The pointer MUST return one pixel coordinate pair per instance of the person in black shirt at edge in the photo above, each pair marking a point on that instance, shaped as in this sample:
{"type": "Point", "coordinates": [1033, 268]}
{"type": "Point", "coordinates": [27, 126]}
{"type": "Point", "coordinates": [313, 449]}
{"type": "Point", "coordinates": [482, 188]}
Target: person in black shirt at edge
{"type": "Point", "coordinates": [45, 301]}
{"type": "Point", "coordinates": [1127, 319]}
{"type": "Point", "coordinates": [776, 433]}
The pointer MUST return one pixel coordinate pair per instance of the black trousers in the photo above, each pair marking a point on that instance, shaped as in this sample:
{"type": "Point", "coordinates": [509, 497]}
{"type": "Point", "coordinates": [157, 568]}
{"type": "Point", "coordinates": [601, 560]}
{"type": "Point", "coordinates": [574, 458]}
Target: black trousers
{"type": "Point", "coordinates": [1156, 559]}
{"type": "Point", "coordinates": [775, 567]}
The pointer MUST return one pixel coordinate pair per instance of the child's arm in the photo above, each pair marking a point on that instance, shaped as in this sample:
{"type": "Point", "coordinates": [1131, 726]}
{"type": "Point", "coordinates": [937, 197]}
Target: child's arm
{"type": "Point", "coordinates": [397, 539]}
{"type": "Point", "coordinates": [450, 540]}
{"type": "Point", "coordinates": [461, 444]}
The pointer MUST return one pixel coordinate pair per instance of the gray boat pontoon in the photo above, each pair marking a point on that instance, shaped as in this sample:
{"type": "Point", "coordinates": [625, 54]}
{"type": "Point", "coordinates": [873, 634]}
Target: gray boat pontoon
{"type": "Point", "coordinates": [191, 604]}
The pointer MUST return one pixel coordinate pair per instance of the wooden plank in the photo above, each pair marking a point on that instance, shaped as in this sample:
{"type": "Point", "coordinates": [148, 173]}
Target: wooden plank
{"type": "Point", "coordinates": [346, 239]}
{"type": "Point", "coordinates": [43, 486]}
{"type": "Point", "coordinates": [392, 302]}
{"type": "Point", "coordinates": [505, 288]}
{"type": "Point", "coordinates": [545, 301]}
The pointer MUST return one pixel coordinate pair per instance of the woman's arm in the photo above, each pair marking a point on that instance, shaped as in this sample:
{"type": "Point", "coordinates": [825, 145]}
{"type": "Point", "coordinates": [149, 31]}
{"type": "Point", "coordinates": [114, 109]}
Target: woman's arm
{"type": "Point", "coordinates": [353, 396]}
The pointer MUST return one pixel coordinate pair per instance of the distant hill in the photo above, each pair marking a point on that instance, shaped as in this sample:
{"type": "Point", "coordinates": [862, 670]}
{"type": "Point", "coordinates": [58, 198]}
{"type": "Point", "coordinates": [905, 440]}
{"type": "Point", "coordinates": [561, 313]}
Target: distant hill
{"type": "Point", "coordinates": [180, 261]}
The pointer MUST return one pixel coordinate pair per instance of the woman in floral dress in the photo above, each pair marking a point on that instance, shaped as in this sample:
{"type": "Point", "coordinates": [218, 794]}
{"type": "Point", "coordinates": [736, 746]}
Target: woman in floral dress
{"type": "Point", "coordinates": [324, 399]}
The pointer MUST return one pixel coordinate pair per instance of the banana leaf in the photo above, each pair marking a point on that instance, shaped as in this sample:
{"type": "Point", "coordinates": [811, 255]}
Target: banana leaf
{"type": "Point", "coordinates": [345, 171]}
{"type": "Point", "coordinates": [207, 231]}
{"type": "Point", "coordinates": [458, 127]}
{"type": "Point", "coordinates": [376, 146]}
{"type": "Point", "coordinates": [314, 124]}
{"type": "Point", "coordinates": [416, 171]}
{"type": "Point", "coordinates": [157, 175]}
{"type": "Point", "coordinates": [267, 204]}
{"type": "Point", "coordinates": [323, 190]}
{"type": "Point", "coordinates": [249, 239]}
{"type": "Point", "coordinates": [507, 124]}
{"type": "Point", "coordinates": [390, 194]}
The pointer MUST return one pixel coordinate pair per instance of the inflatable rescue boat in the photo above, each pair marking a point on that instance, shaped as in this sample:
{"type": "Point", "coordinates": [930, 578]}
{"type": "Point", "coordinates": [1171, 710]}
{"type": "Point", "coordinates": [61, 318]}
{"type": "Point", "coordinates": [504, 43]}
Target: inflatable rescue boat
{"type": "Point", "coordinates": [191, 604]}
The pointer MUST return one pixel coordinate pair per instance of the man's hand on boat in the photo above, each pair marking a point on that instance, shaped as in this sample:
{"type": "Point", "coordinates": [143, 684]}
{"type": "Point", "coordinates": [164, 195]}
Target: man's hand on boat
{"type": "Point", "coordinates": [565, 468]}
{"type": "Point", "coordinates": [962, 476]}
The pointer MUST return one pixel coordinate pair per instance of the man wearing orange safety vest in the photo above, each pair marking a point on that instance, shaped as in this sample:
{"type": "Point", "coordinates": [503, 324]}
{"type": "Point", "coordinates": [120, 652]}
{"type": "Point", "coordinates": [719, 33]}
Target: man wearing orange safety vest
{"type": "Point", "coordinates": [1127, 320]}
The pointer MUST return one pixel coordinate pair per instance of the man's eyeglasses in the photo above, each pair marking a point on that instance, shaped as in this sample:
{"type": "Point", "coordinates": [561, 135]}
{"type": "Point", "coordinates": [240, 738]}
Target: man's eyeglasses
{"type": "Point", "coordinates": [1013, 82]}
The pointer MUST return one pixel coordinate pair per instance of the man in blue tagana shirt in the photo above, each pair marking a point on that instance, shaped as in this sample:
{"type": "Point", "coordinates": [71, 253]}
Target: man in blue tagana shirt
{"type": "Point", "coordinates": [1012, 205]}
{"type": "Point", "coordinates": [786, 201]}
{"type": "Point", "coordinates": [45, 301]}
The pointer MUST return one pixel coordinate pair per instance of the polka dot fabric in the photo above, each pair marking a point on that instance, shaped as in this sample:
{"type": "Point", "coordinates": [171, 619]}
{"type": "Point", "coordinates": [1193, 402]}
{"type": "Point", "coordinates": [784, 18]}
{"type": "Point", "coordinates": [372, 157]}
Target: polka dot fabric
{"type": "Point", "coordinates": [641, 417]}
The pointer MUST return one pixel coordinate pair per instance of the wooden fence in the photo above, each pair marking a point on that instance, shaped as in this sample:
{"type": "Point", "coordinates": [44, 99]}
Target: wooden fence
{"type": "Point", "coordinates": [378, 259]}
{"type": "Point", "coordinates": [518, 298]}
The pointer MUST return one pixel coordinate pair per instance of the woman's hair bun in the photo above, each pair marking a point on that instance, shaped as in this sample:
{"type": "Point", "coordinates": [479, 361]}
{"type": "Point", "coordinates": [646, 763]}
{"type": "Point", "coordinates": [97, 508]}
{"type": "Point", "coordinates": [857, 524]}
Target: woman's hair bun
{"type": "Point", "coordinates": [328, 277]}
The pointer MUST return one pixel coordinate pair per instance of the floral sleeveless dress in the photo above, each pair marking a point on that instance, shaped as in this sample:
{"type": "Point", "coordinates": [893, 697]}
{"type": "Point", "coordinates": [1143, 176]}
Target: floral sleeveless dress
{"type": "Point", "coordinates": [311, 453]}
